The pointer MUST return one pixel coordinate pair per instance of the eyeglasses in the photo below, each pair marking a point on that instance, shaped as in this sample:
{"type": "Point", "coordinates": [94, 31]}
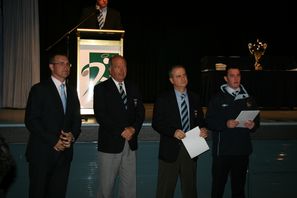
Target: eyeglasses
{"type": "Point", "coordinates": [63, 64]}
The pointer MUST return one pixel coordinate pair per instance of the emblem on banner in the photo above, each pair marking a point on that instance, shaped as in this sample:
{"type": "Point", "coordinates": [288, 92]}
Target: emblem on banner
{"type": "Point", "coordinates": [97, 69]}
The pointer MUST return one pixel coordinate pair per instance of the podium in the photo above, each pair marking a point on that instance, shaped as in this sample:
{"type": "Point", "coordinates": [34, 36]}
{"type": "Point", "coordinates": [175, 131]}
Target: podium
{"type": "Point", "coordinates": [94, 48]}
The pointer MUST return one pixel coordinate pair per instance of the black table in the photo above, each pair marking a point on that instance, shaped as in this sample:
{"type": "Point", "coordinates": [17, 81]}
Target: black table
{"type": "Point", "coordinates": [272, 89]}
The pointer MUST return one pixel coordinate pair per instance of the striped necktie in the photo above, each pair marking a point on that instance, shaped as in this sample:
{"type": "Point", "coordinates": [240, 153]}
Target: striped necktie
{"type": "Point", "coordinates": [100, 20]}
{"type": "Point", "coordinates": [184, 114]}
{"type": "Point", "coordinates": [63, 96]}
{"type": "Point", "coordinates": [123, 95]}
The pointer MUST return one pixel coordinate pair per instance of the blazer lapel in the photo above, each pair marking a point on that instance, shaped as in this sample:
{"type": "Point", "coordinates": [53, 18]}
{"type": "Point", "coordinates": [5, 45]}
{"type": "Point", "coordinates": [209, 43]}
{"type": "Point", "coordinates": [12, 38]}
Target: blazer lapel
{"type": "Point", "coordinates": [175, 109]}
{"type": "Point", "coordinates": [114, 89]}
{"type": "Point", "coordinates": [190, 108]}
{"type": "Point", "coordinates": [56, 95]}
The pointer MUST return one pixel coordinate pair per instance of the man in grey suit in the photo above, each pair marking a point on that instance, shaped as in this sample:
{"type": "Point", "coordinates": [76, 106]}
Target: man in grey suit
{"type": "Point", "coordinates": [119, 111]}
{"type": "Point", "coordinates": [53, 126]}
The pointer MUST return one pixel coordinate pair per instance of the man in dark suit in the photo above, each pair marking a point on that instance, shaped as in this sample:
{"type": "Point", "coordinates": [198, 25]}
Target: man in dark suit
{"type": "Point", "coordinates": [111, 18]}
{"type": "Point", "coordinates": [119, 111]}
{"type": "Point", "coordinates": [53, 129]}
{"type": "Point", "coordinates": [168, 117]}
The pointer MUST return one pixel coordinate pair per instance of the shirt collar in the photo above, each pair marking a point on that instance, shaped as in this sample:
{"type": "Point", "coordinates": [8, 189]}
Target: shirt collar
{"type": "Point", "coordinates": [117, 83]}
{"type": "Point", "coordinates": [57, 82]}
{"type": "Point", "coordinates": [231, 90]}
{"type": "Point", "coordinates": [179, 94]}
{"type": "Point", "coordinates": [103, 10]}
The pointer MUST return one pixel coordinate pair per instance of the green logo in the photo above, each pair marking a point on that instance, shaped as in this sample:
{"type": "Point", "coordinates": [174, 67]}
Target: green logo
{"type": "Point", "coordinates": [97, 69]}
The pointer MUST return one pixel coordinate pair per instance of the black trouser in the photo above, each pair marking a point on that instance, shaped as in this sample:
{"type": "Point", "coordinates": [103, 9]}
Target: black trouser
{"type": "Point", "coordinates": [185, 168]}
{"type": "Point", "coordinates": [49, 180]}
{"type": "Point", "coordinates": [222, 167]}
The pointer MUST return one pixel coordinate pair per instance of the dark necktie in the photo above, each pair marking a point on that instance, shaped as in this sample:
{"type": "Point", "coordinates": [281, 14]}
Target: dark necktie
{"type": "Point", "coordinates": [184, 114]}
{"type": "Point", "coordinates": [63, 96]}
{"type": "Point", "coordinates": [100, 20]}
{"type": "Point", "coordinates": [235, 93]}
{"type": "Point", "coordinates": [123, 95]}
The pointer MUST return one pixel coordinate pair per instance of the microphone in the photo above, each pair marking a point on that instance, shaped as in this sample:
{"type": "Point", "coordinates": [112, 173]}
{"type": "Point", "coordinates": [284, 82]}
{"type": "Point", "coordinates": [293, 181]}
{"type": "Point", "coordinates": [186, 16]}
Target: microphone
{"type": "Point", "coordinates": [97, 12]}
{"type": "Point", "coordinates": [135, 102]}
{"type": "Point", "coordinates": [67, 33]}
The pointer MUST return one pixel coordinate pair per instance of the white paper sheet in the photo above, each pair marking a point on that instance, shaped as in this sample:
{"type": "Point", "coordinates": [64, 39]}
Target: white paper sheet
{"type": "Point", "coordinates": [245, 116]}
{"type": "Point", "coordinates": [195, 144]}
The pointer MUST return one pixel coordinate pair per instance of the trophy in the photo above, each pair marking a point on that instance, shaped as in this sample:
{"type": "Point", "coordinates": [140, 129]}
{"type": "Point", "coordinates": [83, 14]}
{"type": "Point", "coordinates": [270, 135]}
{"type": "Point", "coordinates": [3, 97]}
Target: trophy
{"type": "Point", "coordinates": [257, 49]}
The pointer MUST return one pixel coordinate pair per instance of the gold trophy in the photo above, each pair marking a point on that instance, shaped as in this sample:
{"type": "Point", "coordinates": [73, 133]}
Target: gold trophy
{"type": "Point", "coordinates": [257, 49]}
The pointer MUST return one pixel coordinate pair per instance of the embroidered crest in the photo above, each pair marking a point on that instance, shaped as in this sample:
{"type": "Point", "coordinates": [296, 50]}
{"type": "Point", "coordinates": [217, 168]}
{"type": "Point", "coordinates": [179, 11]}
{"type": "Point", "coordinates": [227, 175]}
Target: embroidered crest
{"type": "Point", "coordinates": [248, 103]}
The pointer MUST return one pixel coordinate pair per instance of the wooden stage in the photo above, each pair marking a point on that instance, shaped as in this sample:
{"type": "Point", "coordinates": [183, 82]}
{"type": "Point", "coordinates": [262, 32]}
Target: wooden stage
{"type": "Point", "coordinates": [275, 124]}
{"type": "Point", "coordinates": [16, 116]}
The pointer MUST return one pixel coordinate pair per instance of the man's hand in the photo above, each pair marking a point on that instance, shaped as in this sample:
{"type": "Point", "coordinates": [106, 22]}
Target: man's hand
{"type": "Point", "coordinates": [179, 134]}
{"type": "Point", "coordinates": [249, 124]}
{"type": "Point", "coordinates": [59, 146]}
{"type": "Point", "coordinates": [65, 141]}
{"type": "Point", "coordinates": [203, 132]}
{"type": "Point", "coordinates": [128, 133]}
{"type": "Point", "coordinates": [232, 123]}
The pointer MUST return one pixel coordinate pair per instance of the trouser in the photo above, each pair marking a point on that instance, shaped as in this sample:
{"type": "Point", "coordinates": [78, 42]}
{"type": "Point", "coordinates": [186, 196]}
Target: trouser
{"type": "Point", "coordinates": [168, 174]}
{"type": "Point", "coordinates": [233, 166]}
{"type": "Point", "coordinates": [122, 165]}
{"type": "Point", "coordinates": [49, 179]}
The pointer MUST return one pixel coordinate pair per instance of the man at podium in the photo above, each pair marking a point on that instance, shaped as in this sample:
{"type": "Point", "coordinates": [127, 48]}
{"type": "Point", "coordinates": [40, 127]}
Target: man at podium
{"type": "Point", "coordinates": [101, 16]}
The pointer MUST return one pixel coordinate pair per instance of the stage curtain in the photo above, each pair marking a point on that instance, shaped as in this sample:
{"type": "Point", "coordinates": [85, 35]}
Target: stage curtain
{"type": "Point", "coordinates": [21, 53]}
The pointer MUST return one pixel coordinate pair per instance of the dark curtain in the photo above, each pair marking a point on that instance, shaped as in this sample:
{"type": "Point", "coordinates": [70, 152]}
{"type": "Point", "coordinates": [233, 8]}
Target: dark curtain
{"type": "Point", "coordinates": [159, 36]}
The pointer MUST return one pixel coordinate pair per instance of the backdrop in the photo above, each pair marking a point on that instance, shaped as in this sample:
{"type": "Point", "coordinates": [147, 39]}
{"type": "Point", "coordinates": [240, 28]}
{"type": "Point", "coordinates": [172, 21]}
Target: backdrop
{"type": "Point", "coordinates": [160, 34]}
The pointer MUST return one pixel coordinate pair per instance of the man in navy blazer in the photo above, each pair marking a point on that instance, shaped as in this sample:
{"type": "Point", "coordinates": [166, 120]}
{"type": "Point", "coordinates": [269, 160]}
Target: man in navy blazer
{"type": "Point", "coordinates": [111, 17]}
{"type": "Point", "coordinates": [120, 119]}
{"type": "Point", "coordinates": [174, 160]}
{"type": "Point", "coordinates": [53, 131]}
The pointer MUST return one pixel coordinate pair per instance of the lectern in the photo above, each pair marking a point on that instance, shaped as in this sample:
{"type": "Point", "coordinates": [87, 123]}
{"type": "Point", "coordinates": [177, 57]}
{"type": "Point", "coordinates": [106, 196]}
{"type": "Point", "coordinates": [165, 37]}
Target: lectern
{"type": "Point", "coordinates": [94, 48]}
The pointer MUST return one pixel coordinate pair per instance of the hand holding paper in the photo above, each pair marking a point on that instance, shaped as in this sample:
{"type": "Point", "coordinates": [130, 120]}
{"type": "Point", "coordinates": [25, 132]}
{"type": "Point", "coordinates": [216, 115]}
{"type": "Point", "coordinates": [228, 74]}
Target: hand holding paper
{"type": "Point", "coordinates": [244, 116]}
{"type": "Point", "coordinates": [195, 144]}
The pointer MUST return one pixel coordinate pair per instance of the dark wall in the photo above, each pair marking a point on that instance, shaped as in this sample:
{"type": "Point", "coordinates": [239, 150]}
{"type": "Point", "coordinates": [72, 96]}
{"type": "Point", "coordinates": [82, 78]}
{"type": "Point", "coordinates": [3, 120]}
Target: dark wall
{"type": "Point", "coordinates": [160, 35]}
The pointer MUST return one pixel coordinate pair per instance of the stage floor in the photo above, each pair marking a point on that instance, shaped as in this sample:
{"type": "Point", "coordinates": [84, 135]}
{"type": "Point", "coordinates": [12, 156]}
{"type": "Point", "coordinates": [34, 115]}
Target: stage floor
{"type": "Point", "coordinates": [16, 116]}
{"type": "Point", "coordinates": [275, 124]}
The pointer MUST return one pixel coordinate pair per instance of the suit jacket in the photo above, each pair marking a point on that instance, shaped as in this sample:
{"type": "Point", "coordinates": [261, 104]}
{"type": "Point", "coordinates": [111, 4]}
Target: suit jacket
{"type": "Point", "coordinates": [45, 118]}
{"type": "Point", "coordinates": [166, 120]}
{"type": "Point", "coordinates": [112, 116]}
{"type": "Point", "coordinates": [112, 21]}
